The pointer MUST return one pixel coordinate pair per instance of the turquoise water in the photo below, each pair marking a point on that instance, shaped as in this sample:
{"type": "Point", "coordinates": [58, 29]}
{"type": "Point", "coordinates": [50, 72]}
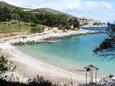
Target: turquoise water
{"type": "Point", "coordinates": [73, 53]}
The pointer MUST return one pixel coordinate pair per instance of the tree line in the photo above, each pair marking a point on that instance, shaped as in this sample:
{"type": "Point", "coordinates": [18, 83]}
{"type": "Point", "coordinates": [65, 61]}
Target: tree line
{"type": "Point", "coordinates": [48, 19]}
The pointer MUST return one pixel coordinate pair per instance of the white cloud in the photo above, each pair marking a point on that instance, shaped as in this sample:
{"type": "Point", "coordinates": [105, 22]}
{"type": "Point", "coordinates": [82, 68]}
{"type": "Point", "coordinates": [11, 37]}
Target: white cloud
{"type": "Point", "coordinates": [107, 5]}
{"type": "Point", "coordinates": [90, 8]}
{"type": "Point", "coordinates": [62, 4]}
{"type": "Point", "coordinates": [74, 5]}
{"type": "Point", "coordinates": [89, 5]}
{"type": "Point", "coordinates": [93, 4]}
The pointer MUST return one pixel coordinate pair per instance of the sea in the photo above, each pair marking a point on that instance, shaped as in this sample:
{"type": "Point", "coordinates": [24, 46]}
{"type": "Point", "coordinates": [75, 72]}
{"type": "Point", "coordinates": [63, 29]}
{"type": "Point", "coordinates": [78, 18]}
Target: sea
{"type": "Point", "coordinates": [75, 53]}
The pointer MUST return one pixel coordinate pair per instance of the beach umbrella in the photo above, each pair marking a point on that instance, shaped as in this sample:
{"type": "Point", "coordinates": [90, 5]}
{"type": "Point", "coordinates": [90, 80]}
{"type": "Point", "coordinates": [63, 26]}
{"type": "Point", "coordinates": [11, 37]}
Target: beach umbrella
{"type": "Point", "coordinates": [96, 74]}
{"type": "Point", "coordinates": [87, 69]}
{"type": "Point", "coordinates": [90, 68]}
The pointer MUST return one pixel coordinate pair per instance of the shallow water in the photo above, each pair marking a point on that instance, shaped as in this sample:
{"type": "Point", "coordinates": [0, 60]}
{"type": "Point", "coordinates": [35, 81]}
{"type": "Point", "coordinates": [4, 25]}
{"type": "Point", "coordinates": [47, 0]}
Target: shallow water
{"type": "Point", "coordinates": [73, 53]}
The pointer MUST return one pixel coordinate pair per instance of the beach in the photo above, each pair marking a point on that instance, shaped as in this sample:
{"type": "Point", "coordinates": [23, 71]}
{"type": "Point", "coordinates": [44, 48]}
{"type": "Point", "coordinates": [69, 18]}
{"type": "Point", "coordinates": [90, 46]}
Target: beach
{"type": "Point", "coordinates": [28, 67]}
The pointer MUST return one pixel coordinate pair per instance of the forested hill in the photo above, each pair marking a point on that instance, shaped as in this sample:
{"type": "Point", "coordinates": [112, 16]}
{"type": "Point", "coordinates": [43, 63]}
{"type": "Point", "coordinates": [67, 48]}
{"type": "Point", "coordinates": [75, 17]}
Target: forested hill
{"type": "Point", "coordinates": [48, 10]}
{"type": "Point", "coordinates": [42, 16]}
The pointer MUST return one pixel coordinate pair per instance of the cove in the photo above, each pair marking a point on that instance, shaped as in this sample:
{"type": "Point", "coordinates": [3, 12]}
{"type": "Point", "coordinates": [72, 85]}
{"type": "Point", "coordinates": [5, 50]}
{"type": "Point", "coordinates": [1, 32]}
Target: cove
{"type": "Point", "coordinates": [73, 53]}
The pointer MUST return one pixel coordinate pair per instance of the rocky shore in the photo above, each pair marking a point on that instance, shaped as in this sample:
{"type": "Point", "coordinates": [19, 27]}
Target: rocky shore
{"type": "Point", "coordinates": [44, 37]}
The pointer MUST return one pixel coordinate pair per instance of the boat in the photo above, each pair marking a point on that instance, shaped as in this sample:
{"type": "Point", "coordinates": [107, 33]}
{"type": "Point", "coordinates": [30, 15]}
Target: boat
{"type": "Point", "coordinates": [51, 41]}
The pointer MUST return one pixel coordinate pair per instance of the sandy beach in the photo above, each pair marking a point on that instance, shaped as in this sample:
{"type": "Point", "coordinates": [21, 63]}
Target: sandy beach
{"type": "Point", "coordinates": [28, 67]}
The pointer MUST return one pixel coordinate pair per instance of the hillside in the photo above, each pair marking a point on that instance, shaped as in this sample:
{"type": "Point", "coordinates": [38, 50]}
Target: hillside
{"type": "Point", "coordinates": [82, 21]}
{"type": "Point", "coordinates": [11, 7]}
{"type": "Point", "coordinates": [49, 10]}
{"type": "Point", "coordinates": [2, 4]}
{"type": "Point", "coordinates": [42, 16]}
{"type": "Point", "coordinates": [40, 10]}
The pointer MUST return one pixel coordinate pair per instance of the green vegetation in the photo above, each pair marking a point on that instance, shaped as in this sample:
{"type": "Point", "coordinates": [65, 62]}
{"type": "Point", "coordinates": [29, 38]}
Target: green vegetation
{"type": "Point", "coordinates": [39, 81]}
{"type": "Point", "coordinates": [6, 66]}
{"type": "Point", "coordinates": [5, 14]}
{"type": "Point", "coordinates": [83, 24]}
{"type": "Point", "coordinates": [9, 13]}
{"type": "Point", "coordinates": [97, 23]}
{"type": "Point", "coordinates": [3, 64]}
{"type": "Point", "coordinates": [14, 26]}
{"type": "Point", "coordinates": [105, 45]}
{"type": "Point", "coordinates": [37, 29]}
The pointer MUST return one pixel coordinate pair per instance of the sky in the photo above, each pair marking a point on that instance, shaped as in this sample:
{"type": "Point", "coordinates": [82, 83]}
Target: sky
{"type": "Point", "coordinates": [103, 10]}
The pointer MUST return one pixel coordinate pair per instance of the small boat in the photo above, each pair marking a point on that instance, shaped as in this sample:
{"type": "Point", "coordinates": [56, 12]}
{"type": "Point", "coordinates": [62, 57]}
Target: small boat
{"type": "Point", "coordinates": [51, 41]}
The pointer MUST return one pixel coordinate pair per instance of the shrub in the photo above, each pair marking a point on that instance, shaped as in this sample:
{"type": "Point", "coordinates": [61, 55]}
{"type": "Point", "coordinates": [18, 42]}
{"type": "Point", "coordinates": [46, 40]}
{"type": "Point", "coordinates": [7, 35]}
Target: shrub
{"type": "Point", "coordinates": [3, 64]}
{"type": "Point", "coordinates": [37, 29]}
{"type": "Point", "coordinates": [39, 81]}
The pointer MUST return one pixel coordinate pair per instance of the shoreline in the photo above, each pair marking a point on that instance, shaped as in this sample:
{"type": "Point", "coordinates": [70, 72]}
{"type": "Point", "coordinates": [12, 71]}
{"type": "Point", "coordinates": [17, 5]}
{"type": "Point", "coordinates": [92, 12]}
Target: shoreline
{"type": "Point", "coordinates": [87, 26]}
{"type": "Point", "coordinates": [45, 37]}
{"type": "Point", "coordinates": [25, 63]}
{"type": "Point", "coordinates": [29, 67]}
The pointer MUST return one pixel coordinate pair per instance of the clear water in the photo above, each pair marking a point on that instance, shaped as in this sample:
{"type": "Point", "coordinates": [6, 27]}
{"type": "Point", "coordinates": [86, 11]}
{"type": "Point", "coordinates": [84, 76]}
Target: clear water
{"type": "Point", "coordinates": [73, 53]}
{"type": "Point", "coordinates": [101, 29]}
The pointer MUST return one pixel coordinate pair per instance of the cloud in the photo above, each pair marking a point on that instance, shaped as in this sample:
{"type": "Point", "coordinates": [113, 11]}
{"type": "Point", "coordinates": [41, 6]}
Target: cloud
{"type": "Point", "coordinates": [90, 5]}
{"type": "Point", "coordinates": [61, 4]}
{"type": "Point", "coordinates": [90, 8]}
{"type": "Point", "coordinates": [93, 4]}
